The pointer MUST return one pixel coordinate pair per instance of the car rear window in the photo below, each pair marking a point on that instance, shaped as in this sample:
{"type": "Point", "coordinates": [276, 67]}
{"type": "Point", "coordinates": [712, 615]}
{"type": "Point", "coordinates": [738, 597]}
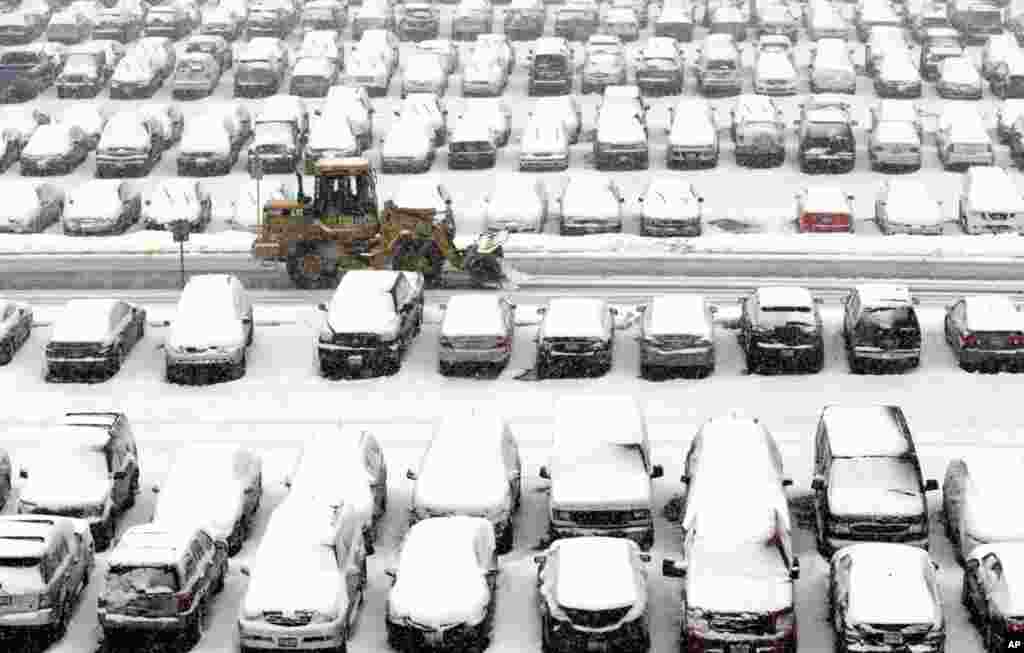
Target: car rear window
{"type": "Point", "coordinates": [142, 579]}
{"type": "Point", "coordinates": [892, 317]}
{"type": "Point", "coordinates": [783, 315]}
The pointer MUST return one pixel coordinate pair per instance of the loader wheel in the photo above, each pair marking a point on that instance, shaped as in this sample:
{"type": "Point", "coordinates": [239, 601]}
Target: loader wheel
{"type": "Point", "coordinates": [307, 270]}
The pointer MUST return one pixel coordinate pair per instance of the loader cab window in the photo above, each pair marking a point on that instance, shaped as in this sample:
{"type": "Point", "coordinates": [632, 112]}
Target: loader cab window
{"type": "Point", "coordinates": [351, 196]}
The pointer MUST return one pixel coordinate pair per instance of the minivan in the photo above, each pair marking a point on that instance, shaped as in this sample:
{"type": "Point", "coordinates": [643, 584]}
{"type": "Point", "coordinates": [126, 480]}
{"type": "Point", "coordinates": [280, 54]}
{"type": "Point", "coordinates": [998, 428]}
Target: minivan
{"type": "Point", "coordinates": [867, 483]}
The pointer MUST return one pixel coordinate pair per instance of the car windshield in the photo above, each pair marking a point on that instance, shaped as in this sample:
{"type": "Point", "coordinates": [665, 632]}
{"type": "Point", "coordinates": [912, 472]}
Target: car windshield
{"type": "Point", "coordinates": [721, 64]}
{"type": "Point", "coordinates": [550, 64]}
{"type": "Point", "coordinates": [892, 317]}
{"type": "Point", "coordinates": [828, 134]}
{"type": "Point", "coordinates": [69, 466]}
{"type": "Point", "coordinates": [785, 315]}
{"type": "Point", "coordinates": [142, 580]}
{"type": "Point", "coordinates": [18, 58]}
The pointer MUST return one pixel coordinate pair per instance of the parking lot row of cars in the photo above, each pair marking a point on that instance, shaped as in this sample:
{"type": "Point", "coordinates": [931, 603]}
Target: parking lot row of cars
{"type": "Point", "coordinates": [779, 328]}
{"type": "Point", "coordinates": [870, 522]}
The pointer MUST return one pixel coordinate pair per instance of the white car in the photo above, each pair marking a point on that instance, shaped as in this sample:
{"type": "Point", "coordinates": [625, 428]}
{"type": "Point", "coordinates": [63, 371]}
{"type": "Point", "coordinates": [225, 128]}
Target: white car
{"type": "Point", "coordinates": [207, 148]}
{"type": "Point", "coordinates": [56, 148]}
{"type": "Point", "coordinates": [959, 79]}
{"type": "Point", "coordinates": [774, 74]}
{"type": "Point", "coordinates": [590, 204]}
{"type": "Point", "coordinates": [670, 208]}
{"type": "Point", "coordinates": [444, 49]}
{"type": "Point", "coordinates": [247, 208]}
{"type": "Point", "coordinates": [369, 70]}
{"type": "Point", "coordinates": [424, 73]}
{"type": "Point", "coordinates": [493, 111]}
{"type": "Point", "coordinates": [101, 206]}
{"type": "Point", "coordinates": [178, 198]}
{"type": "Point", "coordinates": [692, 134]}
{"type": "Point", "coordinates": [426, 107]}
{"type": "Point", "coordinates": [565, 109]}
{"type": "Point", "coordinates": [312, 76]}
{"type": "Point", "coordinates": [88, 117]}
{"type": "Point", "coordinates": [897, 76]}
{"type": "Point", "coordinates": [544, 144]}
{"type": "Point", "coordinates": [894, 144]}
{"type": "Point", "coordinates": [407, 147]}
{"type": "Point", "coordinates": [217, 487]}
{"type": "Point", "coordinates": [483, 76]}
{"type": "Point", "coordinates": [135, 76]}
{"type": "Point", "coordinates": [330, 139]}
{"type": "Point", "coordinates": [212, 327]}
{"type": "Point", "coordinates": [30, 206]}
{"type": "Point", "coordinates": [906, 206]}
{"type": "Point", "coordinates": [972, 502]}
{"type": "Point", "coordinates": [354, 104]}
{"type": "Point", "coordinates": [457, 553]}
{"type": "Point", "coordinates": [517, 203]}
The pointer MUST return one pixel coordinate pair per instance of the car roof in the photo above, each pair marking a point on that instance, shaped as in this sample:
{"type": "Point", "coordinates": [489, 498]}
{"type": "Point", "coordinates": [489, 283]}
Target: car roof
{"type": "Point", "coordinates": [879, 294]}
{"type": "Point", "coordinates": [860, 431]}
{"type": "Point", "coordinates": [146, 544]}
{"type": "Point", "coordinates": [784, 296]}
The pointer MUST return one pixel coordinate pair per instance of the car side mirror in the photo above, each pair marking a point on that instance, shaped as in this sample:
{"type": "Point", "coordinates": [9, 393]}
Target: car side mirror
{"type": "Point", "coordinates": [786, 482]}
{"type": "Point", "coordinates": [23, 473]}
{"type": "Point", "coordinates": [542, 310]}
{"type": "Point", "coordinates": [657, 471]}
{"type": "Point", "coordinates": [117, 476]}
{"type": "Point", "coordinates": [685, 479]}
{"type": "Point", "coordinates": [321, 307]}
{"type": "Point", "coordinates": [713, 310]}
{"type": "Point", "coordinates": [543, 473]}
{"type": "Point", "coordinates": [818, 484]}
{"type": "Point", "coordinates": [411, 475]}
{"type": "Point", "coordinates": [156, 489]}
{"type": "Point", "coordinates": [244, 570]}
{"type": "Point", "coordinates": [673, 569]}
{"type": "Point", "coordinates": [794, 571]}
{"type": "Point", "coordinates": [391, 573]}
{"type": "Point", "coordinates": [931, 485]}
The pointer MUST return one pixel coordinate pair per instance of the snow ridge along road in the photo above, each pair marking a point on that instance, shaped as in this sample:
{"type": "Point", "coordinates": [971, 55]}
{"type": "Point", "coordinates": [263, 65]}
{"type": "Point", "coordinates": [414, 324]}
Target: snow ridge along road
{"type": "Point", "coordinates": [105, 272]}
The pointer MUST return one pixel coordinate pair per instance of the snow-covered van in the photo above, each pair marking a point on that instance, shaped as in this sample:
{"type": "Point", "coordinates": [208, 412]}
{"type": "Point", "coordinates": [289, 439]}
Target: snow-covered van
{"type": "Point", "coordinates": [990, 202]}
{"type": "Point", "coordinates": [867, 480]}
{"type": "Point", "coordinates": [600, 470]}
{"type": "Point", "coordinates": [489, 487]}
{"type": "Point", "coordinates": [740, 563]}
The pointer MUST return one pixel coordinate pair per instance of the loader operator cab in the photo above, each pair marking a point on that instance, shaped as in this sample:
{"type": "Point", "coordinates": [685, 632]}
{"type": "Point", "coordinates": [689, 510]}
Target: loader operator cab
{"type": "Point", "coordinates": [345, 193]}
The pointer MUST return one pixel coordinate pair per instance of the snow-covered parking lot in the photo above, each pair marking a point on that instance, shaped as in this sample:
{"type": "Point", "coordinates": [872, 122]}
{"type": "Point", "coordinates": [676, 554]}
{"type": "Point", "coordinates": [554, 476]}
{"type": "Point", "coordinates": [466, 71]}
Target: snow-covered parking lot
{"type": "Point", "coordinates": [282, 400]}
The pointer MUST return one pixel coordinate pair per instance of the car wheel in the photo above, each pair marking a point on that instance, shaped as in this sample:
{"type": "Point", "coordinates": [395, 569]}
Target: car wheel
{"type": "Point", "coordinates": [6, 353]}
{"type": "Point", "coordinates": [445, 369]}
{"type": "Point", "coordinates": [238, 369]}
{"type": "Point", "coordinates": [106, 536]}
{"type": "Point", "coordinates": [506, 543]}
{"type": "Point", "coordinates": [133, 491]}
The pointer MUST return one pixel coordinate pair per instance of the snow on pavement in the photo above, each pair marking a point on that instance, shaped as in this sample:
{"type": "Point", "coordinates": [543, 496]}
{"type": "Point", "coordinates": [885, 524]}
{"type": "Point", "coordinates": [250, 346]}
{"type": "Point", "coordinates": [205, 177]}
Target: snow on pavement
{"type": "Point", "coordinates": [282, 400]}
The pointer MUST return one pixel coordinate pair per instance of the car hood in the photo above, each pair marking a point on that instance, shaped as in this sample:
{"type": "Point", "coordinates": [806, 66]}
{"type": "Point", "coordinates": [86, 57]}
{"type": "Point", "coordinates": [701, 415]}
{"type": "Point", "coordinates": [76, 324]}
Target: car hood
{"type": "Point", "coordinates": [714, 591]}
{"type": "Point", "coordinates": [661, 206]}
{"type": "Point", "coordinates": [405, 147]}
{"type": "Point", "coordinates": [592, 486]}
{"type": "Point", "coordinates": [873, 501]}
{"type": "Point", "coordinates": [355, 321]}
{"type": "Point", "coordinates": [462, 490]}
{"type": "Point", "coordinates": [216, 511]}
{"type": "Point", "coordinates": [415, 596]}
{"type": "Point", "coordinates": [276, 587]}
{"type": "Point", "coordinates": [53, 494]}
{"type": "Point", "coordinates": [167, 212]}
{"type": "Point", "coordinates": [81, 68]}
{"type": "Point", "coordinates": [205, 333]}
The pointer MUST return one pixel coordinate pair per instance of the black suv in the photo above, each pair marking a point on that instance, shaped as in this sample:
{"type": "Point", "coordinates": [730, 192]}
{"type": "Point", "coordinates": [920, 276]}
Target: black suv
{"type": "Point", "coordinates": [880, 328]}
{"type": "Point", "coordinates": [781, 326]}
{"type": "Point", "coordinates": [826, 141]}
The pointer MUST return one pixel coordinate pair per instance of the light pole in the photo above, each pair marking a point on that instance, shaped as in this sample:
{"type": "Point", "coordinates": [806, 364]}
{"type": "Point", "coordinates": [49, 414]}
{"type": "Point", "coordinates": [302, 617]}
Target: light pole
{"type": "Point", "coordinates": [181, 230]}
{"type": "Point", "coordinates": [257, 174]}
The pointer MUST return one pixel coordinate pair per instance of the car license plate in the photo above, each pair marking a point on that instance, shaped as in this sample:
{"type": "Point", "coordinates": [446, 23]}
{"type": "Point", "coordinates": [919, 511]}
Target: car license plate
{"type": "Point", "coordinates": [622, 160]}
{"type": "Point", "coordinates": [893, 638]}
{"type": "Point", "coordinates": [288, 642]}
{"type": "Point", "coordinates": [355, 361]}
{"type": "Point", "coordinates": [740, 648]}
{"type": "Point", "coordinates": [825, 219]}
{"type": "Point", "coordinates": [435, 638]}
{"type": "Point", "coordinates": [202, 161]}
{"type": "Point", "coordinates": [5, 601]}
{"type": "Point", "coordinates": [787, 353]}
{"type": "Point", "coordinates": [597, 645]}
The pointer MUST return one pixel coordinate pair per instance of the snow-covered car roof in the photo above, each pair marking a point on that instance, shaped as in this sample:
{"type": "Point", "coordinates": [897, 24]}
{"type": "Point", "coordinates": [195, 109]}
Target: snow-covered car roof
{"type": "Point", "coordinates": [958, 68]}
{"type": "Point", "coordinates": [774, 64]}
{"type": "Point", "coordinates": [660, 47]}
{"type": "Point", "coordinates": [471, 130]}
{"type": "Point", "coordinates": [620, 15]}
{"type": "Point", "coordinates": [133, 65]}
{"type": "Point", "coordinates": [991, 188]}
{"type": "Point", "coordinates": [147, 544]}
{"type": "Point", "coordinates": [992, 313]}
{"type": "Point", "coordinates": [424, 63]}
{"type": "Point", "coordinates": [747, 105]}
{"type": "Point", "coordinates": [575, 317]}
{"type": "Point", "coordinates": [447, 543]}
{"type": "Point", "coordinates": [377, 281]}
{"type": "Point", "coordinates": [863, 431]}
{"type": "Point", "coordinates": [473, 315]}
{"type": "Point", "coordinates": [722, 436]}
{"type": "Point", "coordinates": [784, 296]}
{"type": "Point", "coordinates": [1011, 556]}
{"type": "Point", "coordinates": [896, 131]}
{"type": "Point", "coordinates": [825, 199]}
{"type": "Point", "coordinates": [83, 320]}
{"type": "Point", "coordinates": [446, 482]}
{"type": "Point", "coordinates": [313, 67]}
{"type": "Point", "coordinates": [883, 294]}
{"type": "Point", "coordinates": [53, 138]}
{"type": "Point", "coordinates": [408, 136]}
{"type": "Point", "coordinates": [331, 135]}
{"type": "Point", "coordinates": [20, 196]}
{"type": "Point", "coordinates": [899, 110]}
{"type": "Point", "coordinates": [832, 115]}
{"type": "Point", "coordinates": [679, 314]}
{"type": "Point", "coordinates": [898, 68]}
{"type": "Point", "coordinates": [890, 583]}
{"type": "Point", "coordinates": [579, 557]}
{"type": "Point", "coordinates": [908, 196]}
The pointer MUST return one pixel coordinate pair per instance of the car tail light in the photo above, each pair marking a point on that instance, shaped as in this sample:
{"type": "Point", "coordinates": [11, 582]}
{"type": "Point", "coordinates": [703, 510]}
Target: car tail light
{"type": "Point", "coordinates": [503, 342]}
{"type": "Point", "coordinates": [785, 622]}
{"type": "Point", "coordinates": [1015, 627]}
{"type": "Point", "coordinates": [445, 342]}
{"type": "Point", "coordinates": [183, 601]}
{"type": "Point", "coordinates": [968, 340]}
{"type": "Point", "coordinates": [1016, 340]}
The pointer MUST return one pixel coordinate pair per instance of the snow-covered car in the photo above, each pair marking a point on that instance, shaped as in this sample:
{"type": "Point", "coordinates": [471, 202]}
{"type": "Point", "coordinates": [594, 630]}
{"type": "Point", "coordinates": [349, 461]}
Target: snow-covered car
{"type": "Point", "coordinates": [573, 615]}
{"type": "Point", "coordinates": [989, 594]}
{"type": "Point", "coordinates": [168, 116]}
{"type": "Point", "coordinates": [602, 69]}
{"type": "Point", "coordinates": [135, 77]}
{"type": "Point", "coordinates": [220, 21]}
{"type": "Point", "coordinates": [443, 48]}
{"type": "Point", "coordinates": [217, 487]}
{"type": "Point", "coordinates": [675, 21]}
{"type": "Point", "coordinates": [906, 206]}
{"type": "Point", "coordinates": [492, 111]}
{"type": "Point", "coordinates": [517, 203]}
{"type": "Point", "coordinates": [670, 208]}
{"type": "Point", "coordinates": [276, 145]}
{"type": "Point", "coordinates": [757, 130]}
{"type": "Point", "coordinates": [962, 139]}
{"type": "Point", "coordinates": [426, 107]}
{"type": "Point", "coordinates": [160, 52]}
{"type": "Point", "coordinates": [498, 46]}
{"type": "Point", "coordinates": [56, 148]}
{"type": "Point", "coordinates": [424, 73]}
{"type": "Point", "coordinates": [207, 148]}
{"type": "Point", "coordinates": [16, 322]}
{"type": "Point", "coordinates": [213, 45]}
{"type": "Point", "coordinates": [129, 143]}
{"type": "Point", "coordinates": [577, 20]}
{"type": "Point", "coordinates": [407, 147]}
{"type": "Point", "coordinates": [574, 332]}
{"type": "Point", "coordinates": [10, 148]}
{"type": "Point", "coordinates": [895, 110]}
{"type": "Point", "coordinates": [472, 145]}
{"type": "Point", "coordinates": [87, 467]}
{"type": "Point", "coordinates": [774, 74]}
{"type": "Point", "coordinates": [677, 332]}
{"type": "Point", "coordinates": [622, 22]}
{"type": "Point", "coordinates": [101, 206]}
{"type": "Point", "coordinates": [30, 206]}
{"type": "Point", "coordinates": [20, 28]}
{"type": "Point", "coordinates": [781, 325]}
{"type": "Point", "coordinates": [590, 203]}
{"type": "Point", "coordinates": [880, 328]}
{"type": "Point", "coordinates": [212, 327]}
{"type": "Point", "coordinates": [565, 109]}
{"type": "Point", "coordinates": [418, 21]}
{"type": "Point", "coordinates": [170, 20]}
{"type": "Point", "coordinates": [90, 118]}
{"type": "Point", "coordinates": [28, 70]}
{"type": "Point", "coordinates": [897, 76]}
{"type": "Point", "coordinates": [832, 68]}
{"type": "Point", "coordinates": [369, 71]}
{"type": "Point", "coordinates": [93, 333]}
{"type": "Point", "coordinates": [998, 49]}
{"type": "Point", "coordinates": [269, 20]}
{"type": "Point", "coordinates": [247, 207]}
{"type": "Point", "coordinates": [894, 144]}
{"type": "Point", "coordinates": [118, 23]}
{"type": "Point", "coordinates": [443, 486]}
{"type": "Point", "coordinates": [175, 199]}
{"type": "Point", "coordinates": [544, 145]}
{"type": "Point", "coordinates": [83, 75]}
{"type": "Point", "coordinates": [260, 71]}
{"type": "Point", "coordinates": [959, 79]}
{"type": "Point", "coordinates": [483, 76]}
{"type": "Point", "coordinates": [873, 584]}
{"type": "Point", "coordinates": [621, 141]}
{"type": "Point", "coordinates": [459, 554]}
{"type": "Point", "coordinates": [376, 15]}
{"type": "Point", "coordinates": [382, 43]}
{"type": "Point", "coordinates": [472, 18]}
{"type": "Point", "coordinates": [1007, 113]}
{"type": "Point", "coordinates": [150, 571]}
{"type": "Point", "coordinates": [312, 77]}
{"type": "Point", "coordinates": [351, 103]}
{"type": "Point", "coordinates": [692, 134]}
{"type": "Point", "coordinates": [17, 124]}
{"type": "Point", "coordinates": [329, 139]}
{"type": "Point", "coordinates": [985, 331]}
{"type": "Point", "coordinates": [972, 509]}
{"type": "Point", "coordinates": [660, 67]}
{"type": "Point", "coordinates": [824, 208]}
{"type": "Point", "coordinates": [68, 27]}
{"type": "Point", "coordinates": [196, 75]}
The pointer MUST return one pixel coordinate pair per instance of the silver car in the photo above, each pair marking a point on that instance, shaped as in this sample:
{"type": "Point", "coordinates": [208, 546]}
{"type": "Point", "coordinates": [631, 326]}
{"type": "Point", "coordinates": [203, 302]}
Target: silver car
{"type": "Point", "coordinates": [906, 206]}
{"type": "Point", "coordinates": [477, 330]}
{"type": "Point", "coordinates": [894, 144]}
{"type": "Point", "coordinates": [677, 331]}
{"type": "Point", "coordinates": [973, 495]}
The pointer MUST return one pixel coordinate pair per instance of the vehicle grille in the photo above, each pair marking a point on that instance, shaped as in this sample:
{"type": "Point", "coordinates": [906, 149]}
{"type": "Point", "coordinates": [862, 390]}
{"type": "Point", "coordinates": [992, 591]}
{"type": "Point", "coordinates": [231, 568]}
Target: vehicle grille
{"type": "Point", "coordinates": [596, 618]}
{"type": "Point", "coordinates": [880, 528]}
{"type": "Point", "coordinates": [570, 344]}
{"type": "Point", "coordinates": [271, 149]}
{"type": "Point", "coordinates": [677, 342]}
{"type": "Point", "coordinates": [290, 620]}
{"type": "Point", "coordinates": [897, 634]}
{"type": "Point", "coordinates": [794, 335]}
{"type": "Point", "coordinates": [623, 147]}
{"type": "Point", "coordinates": [600, 517]}
{"type": "Point", "coordinates": [746, 624]}
{"type": "Point", "coordinates": [74, 79]}
{"type": "Point", "coordinates": [201, 155]}
{"type": "Point", "coordinates": [356, 339]}
{"type": "Point", "coordinates": [485, 342]}
{"type": "Point", "coordinates": [71, 349]}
